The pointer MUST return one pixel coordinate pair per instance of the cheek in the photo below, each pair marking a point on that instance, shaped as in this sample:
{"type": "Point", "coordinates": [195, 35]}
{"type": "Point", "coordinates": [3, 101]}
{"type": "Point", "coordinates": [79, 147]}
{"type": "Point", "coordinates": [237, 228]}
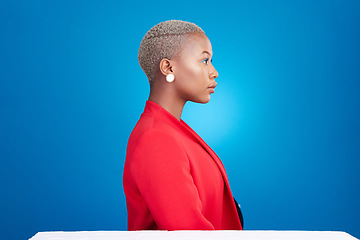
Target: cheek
{"type": "Point", "coordinates": [193, 73]}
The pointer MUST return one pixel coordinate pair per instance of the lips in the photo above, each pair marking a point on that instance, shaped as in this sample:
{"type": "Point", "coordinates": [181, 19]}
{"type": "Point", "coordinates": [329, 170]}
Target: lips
{"type": "Point", "coordinates": [212, 87]}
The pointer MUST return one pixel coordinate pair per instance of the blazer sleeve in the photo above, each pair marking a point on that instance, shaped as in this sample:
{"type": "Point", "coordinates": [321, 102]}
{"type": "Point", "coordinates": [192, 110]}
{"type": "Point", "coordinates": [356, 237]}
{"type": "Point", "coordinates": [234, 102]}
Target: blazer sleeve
{"type": "Point", "coordinates": [162, 174]}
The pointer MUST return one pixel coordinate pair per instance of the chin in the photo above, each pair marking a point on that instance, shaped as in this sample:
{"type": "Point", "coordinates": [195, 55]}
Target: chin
{"type": "Point", "coordinates": [203, 101]}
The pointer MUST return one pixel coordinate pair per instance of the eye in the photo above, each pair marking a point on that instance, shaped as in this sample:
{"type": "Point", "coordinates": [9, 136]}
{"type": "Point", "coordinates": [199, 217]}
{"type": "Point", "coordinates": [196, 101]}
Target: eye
{"type": "Point", "coordinates": [206, 60]}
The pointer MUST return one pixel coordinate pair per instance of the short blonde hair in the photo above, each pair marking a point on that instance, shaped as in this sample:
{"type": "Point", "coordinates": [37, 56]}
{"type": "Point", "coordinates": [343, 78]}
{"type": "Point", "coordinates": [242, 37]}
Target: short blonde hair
{"type": "Point", "coordinates": [164, 40]}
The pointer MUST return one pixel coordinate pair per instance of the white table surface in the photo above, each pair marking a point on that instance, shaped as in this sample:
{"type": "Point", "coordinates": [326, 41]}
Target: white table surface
{"type": "Point", "coordinates": [192, 235]}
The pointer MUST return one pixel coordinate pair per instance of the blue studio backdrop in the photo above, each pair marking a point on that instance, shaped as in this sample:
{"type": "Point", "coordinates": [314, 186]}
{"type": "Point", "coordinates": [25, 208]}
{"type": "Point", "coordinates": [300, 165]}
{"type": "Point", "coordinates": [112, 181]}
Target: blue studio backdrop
{"type": "Point", "coordinates": [285, 118]}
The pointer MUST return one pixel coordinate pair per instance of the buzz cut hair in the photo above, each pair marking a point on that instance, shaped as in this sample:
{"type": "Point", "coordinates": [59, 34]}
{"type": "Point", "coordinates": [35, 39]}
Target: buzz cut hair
{"type": "Point", "coordinates": [164, 40]}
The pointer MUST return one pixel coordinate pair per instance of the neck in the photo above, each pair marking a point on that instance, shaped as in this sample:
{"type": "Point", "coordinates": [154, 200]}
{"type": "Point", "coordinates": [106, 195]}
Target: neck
{"type": "Point", "coordinates": [167, 100]}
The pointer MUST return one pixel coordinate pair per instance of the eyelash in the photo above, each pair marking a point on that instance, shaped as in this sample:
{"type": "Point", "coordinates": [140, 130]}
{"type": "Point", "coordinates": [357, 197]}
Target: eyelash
{"type": "Point", "coordinates": [206, 61]}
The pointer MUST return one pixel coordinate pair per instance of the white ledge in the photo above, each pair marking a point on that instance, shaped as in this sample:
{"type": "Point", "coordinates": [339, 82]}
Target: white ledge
{"type": "Point", "coordinates": [194, 235]}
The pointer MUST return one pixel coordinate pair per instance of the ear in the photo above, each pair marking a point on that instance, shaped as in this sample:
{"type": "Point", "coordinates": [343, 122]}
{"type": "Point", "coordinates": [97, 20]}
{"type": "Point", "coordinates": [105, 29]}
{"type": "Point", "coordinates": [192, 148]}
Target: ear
{"type": "Point", "coordinates": [166, 66]}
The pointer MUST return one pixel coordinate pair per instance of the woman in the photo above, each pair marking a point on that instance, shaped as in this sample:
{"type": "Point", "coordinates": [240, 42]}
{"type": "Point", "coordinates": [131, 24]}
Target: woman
{"type": "Point", "coordinates": [172, 178]}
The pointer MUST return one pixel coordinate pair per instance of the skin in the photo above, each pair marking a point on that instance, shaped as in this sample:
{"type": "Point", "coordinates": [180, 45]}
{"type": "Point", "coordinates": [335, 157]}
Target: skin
{"type": "Point", "coordinates": [194, 76]}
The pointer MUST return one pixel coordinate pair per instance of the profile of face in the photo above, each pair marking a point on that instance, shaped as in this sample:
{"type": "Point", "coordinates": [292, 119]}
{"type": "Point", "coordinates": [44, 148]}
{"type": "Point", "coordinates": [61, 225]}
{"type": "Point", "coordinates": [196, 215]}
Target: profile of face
{"type": "Point", "coordinates": [194, 73]}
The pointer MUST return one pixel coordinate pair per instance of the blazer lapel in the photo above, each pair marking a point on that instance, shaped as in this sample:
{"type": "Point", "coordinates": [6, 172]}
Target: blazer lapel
{"type": "Point", "coordinates": [158, 111]}
{"type": "Point", "coordinates": [208, 149]}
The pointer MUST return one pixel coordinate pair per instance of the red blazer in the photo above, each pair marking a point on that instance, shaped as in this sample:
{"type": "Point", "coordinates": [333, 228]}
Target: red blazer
{"type": "Point", "coordinates": [172, 178]}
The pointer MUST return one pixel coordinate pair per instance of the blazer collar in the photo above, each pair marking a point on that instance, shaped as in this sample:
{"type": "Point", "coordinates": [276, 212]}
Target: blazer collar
{"type": "Point", "coordinates": [160, 113]}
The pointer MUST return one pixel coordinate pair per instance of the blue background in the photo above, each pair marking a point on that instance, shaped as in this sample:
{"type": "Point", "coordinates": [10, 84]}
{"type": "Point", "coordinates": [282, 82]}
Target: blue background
{"type": "Point", "coordinates": [285, 118]}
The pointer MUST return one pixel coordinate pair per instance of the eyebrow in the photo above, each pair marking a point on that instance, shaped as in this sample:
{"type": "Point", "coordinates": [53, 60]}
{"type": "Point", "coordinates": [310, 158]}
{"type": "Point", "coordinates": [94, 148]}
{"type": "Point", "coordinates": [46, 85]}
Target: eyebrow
{"type": "Point", "coordinates": [205, 52]}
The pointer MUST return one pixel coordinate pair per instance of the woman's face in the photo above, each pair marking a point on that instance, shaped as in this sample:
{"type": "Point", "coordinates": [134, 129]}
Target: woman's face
{"type": "Point", "coordinates": [194, 73]}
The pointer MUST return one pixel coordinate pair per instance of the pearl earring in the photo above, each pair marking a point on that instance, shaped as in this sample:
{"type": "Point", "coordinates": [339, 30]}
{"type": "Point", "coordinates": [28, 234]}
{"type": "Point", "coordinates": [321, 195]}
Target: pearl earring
{"type": "Point", "coordinates": [170, 77]}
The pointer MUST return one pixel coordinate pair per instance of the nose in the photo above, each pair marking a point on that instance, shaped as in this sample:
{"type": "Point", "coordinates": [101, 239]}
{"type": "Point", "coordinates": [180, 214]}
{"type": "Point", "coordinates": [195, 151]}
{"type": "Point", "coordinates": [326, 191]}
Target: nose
{"type": "Point", "coordinates": [213, 74]}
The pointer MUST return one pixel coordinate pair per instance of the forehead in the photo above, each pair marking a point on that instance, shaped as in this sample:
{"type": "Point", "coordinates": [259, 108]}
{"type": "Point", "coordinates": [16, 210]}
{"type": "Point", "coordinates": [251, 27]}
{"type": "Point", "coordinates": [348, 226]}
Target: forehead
{"type": "Point", "coordinates": [196, 44]}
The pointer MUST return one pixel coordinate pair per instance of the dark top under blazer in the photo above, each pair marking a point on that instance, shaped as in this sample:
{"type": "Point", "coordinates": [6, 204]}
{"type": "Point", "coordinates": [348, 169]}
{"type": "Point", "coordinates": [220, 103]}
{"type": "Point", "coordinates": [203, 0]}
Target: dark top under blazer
{"type": "Point", "coordinates": [173, 180]}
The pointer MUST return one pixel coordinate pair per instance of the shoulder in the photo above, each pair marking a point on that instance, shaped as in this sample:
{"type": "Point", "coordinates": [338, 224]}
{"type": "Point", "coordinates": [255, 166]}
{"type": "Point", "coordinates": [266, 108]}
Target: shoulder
{"type": "Point", "coordinates": [155, 152]}
{"type": "Point", "coordinates": [151, 129]}
{"type": "Point", "coordinates": [158, 140]}
{"type": "Point", "coordinates": [156, 144]}
{"type": "Point", "coordinates": [155, 139]}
